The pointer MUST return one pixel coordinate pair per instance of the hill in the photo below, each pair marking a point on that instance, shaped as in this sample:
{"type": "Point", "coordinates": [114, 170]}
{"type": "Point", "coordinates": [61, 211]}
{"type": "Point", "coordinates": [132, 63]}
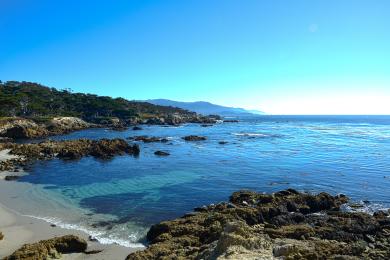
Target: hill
{"type": "Point", "coordinates": [205, 108]}
{"type": "Point", "coordinates": [32, 100]}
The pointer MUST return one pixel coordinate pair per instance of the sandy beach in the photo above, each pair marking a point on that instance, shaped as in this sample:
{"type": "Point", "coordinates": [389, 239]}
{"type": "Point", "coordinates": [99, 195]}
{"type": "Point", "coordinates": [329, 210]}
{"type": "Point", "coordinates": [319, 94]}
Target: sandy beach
{"type": "Point", "coordinates": [19, 229]}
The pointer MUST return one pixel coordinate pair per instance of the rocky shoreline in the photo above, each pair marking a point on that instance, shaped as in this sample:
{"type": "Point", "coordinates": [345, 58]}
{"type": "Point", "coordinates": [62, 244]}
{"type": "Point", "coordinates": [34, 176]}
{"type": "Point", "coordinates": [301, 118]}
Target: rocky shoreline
{"type": "Point", "coordinates": [284, 225]}
{"type": "Point", "coordinates": [65, 150]}
{"type": "Point", "coordinates": [26, 128]}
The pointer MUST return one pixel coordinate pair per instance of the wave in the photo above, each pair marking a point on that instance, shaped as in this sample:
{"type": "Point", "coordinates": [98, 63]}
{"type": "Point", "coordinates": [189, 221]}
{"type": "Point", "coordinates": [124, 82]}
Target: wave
{"type": "Point", "coordinates": [364, 207]}
{"type": "Point", "coordinates": [101, 236]}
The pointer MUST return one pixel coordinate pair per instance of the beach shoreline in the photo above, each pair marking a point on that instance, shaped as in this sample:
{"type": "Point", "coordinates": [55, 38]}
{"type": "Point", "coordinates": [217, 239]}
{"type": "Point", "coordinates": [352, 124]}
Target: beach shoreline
{"type": "Point", "coordinates": [19, 229]}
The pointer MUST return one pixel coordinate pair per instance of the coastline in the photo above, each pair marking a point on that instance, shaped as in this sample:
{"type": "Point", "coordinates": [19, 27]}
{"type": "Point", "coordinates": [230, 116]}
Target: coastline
{"type": "Point", "coordinates": [19, 229]}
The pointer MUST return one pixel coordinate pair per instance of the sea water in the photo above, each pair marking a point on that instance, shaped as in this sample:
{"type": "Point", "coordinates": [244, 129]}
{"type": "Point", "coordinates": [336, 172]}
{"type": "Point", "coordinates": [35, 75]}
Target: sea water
{"type": "Point", "coordinates": [117, 200]}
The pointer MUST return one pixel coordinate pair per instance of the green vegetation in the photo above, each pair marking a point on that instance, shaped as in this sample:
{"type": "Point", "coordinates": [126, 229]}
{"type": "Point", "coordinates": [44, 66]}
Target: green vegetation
{"type": "Point", "coordinates": [26, 99]}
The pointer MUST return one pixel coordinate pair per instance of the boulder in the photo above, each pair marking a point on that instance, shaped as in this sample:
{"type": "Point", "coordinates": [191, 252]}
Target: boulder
{"type": "Point", "coordinates": [49, 249]}
{"type": "Point", "coordinates": [11, 178]}
{"type": "Point", "coordinates": [194, 138]}
{"type": "Point", "coordinates": [161, 153]}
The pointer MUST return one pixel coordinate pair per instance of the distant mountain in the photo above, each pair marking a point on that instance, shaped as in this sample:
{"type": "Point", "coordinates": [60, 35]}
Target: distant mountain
{"type": "Point", "coordinates": [205, 108]}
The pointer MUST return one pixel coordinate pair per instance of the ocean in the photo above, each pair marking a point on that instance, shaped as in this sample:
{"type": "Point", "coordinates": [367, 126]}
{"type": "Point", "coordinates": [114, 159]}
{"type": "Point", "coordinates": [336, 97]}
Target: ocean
{"type": "Point", "coordinates": [117, 200]}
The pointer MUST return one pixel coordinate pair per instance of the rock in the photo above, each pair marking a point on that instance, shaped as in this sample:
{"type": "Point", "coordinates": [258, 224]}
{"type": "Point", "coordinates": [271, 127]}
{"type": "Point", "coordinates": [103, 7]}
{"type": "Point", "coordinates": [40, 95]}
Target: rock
{"type": "Point", "coordinates": [194, 138]}
{"type": "Point", "coordinates": [92, 239]}
{"type": "Point", "coordinates": [206, 125]}
{"type": "Point", "coordinates": [161, 153]}
{"type": "Point", "coordinates": [231, 121]}
{"type": "Point", "coordinates": [61, 125]}
{"type": "Point", "coordinates": [11, 178]}
{"type": "Point", "coordinates": [264, 226]}
{"type": "Point", "coordinates": [52, 248]}
{"type": "Point", "coordinates": [146, 139]}
{"type": "Point", "coordinates": [67, 150]}
{"type": "Point", "coordinates": [137, 128]}
{"type": "Point", "coordinates": [1, 236]}
{"type": "Point", "coordinates": [222, 142]}
{"type": "Point", "coordinates": [6, 140]}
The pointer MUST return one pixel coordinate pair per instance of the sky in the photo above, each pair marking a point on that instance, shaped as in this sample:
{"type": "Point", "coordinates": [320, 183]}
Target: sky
{"type": "Point", "coordinates": [277, 56]}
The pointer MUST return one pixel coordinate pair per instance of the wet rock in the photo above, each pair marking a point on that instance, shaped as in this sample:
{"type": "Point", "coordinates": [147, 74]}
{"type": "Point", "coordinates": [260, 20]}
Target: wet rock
{"type": "Point", "coordinates": [92, 239]}
{"type": "Point", "coordinates": [6, 140]}
{"type": "Point", "coordinates": [11, 178]}
{"type": "Point", "coordinates": [161, 153]}
{"type": "Point", "coordinates": [206, 125]}
{"type": "Point", "coordinates": [137, 128]}
{"type": "Point", "coordinates": [147, 139]}
{"type": "Point", "coordinates": [231, 121]}
{"type": "Point", "coordinates": [194, 138]}
{"type": "Point", "coordinates": [222, 142]}
{"type": "Point", "coordinates": [52, 248]}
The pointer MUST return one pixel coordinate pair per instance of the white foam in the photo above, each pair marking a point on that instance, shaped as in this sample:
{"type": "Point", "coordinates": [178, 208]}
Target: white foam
{"type": "Point", "coordinates": [101, 236]}
{"type": "Point", "coordinates": [369, 208]}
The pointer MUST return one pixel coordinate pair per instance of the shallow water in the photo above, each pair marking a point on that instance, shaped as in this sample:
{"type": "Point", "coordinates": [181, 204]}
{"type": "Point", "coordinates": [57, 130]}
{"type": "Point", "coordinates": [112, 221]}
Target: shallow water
{"type": "Point", "coordinates": [125, 195]}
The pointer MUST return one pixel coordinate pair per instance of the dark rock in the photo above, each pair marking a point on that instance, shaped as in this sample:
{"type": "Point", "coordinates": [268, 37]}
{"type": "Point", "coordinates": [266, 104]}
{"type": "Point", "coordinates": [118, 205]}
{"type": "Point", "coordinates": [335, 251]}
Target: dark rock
{"type": "Point", "coordinates": [194, 138]}
{"type": "Point", "coordinates": [1, 236]}
{"type": "Point", "coordinates": [222, 142]}
{"type": "Point", "coordinates": [231, 121]}
{"type": "Point", "coordinates": [6, 140]}
{"type": "Point", "coordinates": [92, 239]}
{"type": "Point", "coordinates": [147, 139]}
{"type": "Point", "coordinates": [53, 225]}
{"type": "Point", "coordinates": [11, 178]}
{"type": "Point", "coordinates": [137, 128]}
{"type": "Point", "coordinates": [161, 153]}
{"type": "Point", "coordinates": [206, 125]}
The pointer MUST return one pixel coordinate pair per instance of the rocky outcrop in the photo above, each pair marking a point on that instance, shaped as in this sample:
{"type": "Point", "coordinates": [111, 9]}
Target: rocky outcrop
{"type": "Point", "coordinates": [161, 153]}
{"type": "Point", "coordinates": [50, 249]}
{"type": "Point", "coordinates": [21, 128]}
{"type": "Point", "coordinates": [66, 150]}
{"type": "Point", "coordinates": [194, 138]}
{"type": "Point", "coordinates": [147, 139]}
{"type": "Point", "coordinates": [61, 125]}
{"type": "Point", "coordinates": [17, 128]}
{"type": "Point", "coordinates": [284, 225]}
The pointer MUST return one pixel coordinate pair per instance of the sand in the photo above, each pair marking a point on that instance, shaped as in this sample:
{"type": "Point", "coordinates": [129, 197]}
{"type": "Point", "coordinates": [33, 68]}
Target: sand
{"type": "Point", "coordinates": [19, 230]}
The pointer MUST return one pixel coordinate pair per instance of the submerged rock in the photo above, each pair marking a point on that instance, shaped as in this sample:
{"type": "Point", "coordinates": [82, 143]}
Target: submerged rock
{"type": "Point", "coordinates": [287, 224]}
{"type": "Point", "coordinates": [147, 139]}
{"type": "Point", "coordinates": [161, 153]}
{"type": "Point", "coordinates": [49, 249]}
{"type": "Point", "coordinates": [11, 177]}
{"type": "Point", "coordinates": [194, 138]}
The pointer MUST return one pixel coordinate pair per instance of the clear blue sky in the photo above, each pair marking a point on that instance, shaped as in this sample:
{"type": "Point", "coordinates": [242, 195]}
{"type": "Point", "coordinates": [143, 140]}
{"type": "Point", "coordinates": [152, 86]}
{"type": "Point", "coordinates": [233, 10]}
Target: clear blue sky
{"type": "Point", "coordinates": [283, 57]}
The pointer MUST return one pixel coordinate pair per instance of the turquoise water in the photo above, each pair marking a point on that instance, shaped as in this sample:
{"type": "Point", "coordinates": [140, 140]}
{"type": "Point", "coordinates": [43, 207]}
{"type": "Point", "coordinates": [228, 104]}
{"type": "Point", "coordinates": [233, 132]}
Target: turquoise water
{"type": "Point", "coordinates": [349, 155]}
